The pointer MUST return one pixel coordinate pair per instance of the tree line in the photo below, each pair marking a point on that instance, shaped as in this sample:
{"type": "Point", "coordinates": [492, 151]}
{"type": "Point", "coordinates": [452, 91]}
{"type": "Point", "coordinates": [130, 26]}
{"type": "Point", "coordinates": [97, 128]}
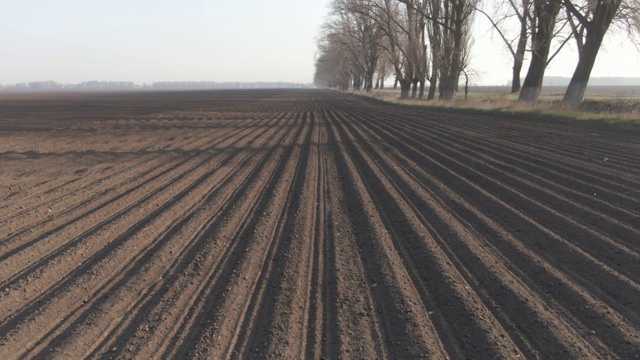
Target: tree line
{"type": "Point", "coordinates": [425, 44]}
{"type": "Point", "coordinates": [43, 86]}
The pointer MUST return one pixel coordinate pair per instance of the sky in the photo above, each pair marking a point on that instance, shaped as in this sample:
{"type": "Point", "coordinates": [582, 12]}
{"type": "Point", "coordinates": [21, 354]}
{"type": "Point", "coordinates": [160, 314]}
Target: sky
{"type": "Point", "coordinates": [618, 57]}
{"type": "Point", "coordinates": [144, 41]}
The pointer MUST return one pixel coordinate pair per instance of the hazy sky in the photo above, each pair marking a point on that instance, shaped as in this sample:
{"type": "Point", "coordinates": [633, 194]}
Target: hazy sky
{"type": "Point", "coordinates": [174, 40]}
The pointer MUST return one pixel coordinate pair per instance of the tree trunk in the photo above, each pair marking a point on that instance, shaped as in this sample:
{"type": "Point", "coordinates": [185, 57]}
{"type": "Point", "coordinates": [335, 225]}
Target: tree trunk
{"type": "Point", "coordinates": [377, 84]}
{"type": "Point", "coordinates": [533, 81]}
{"type": "Point", "coordinates": [368, 83]}
{"type": "Point", "coordinates": [421, 94]}
{"type": "Point", "coordinates": [578, 84]}
{"type": "Point", "coordinates": [433, 84]}
{"type": "Point", "coordinates": [405, 88]}
{"type": "Point", "coordinates": [357, 83]}
{"type": "Point", "coordinates": [546, 17]}
{"type": "Point", "coordinates": [603, 15]}
{"type": "Point", "coordinates": [368, 80]}
{"type": "Point", "coordinates": [466, 86]}
{"type": "Point", "coordinates": [515, 82]}
{"type": "Point", "coordinates": [448, 86]}
{"type": "Point", "coordinates": [395, 84]}
{"type": "Point", "coordinates": [449, 83]}
{"type": "Point", "coordinates": [518, 59]}
{"type": "Point", "coordinates": [414, 90]}
{"type": "Point", "coordinates": [446, 94]}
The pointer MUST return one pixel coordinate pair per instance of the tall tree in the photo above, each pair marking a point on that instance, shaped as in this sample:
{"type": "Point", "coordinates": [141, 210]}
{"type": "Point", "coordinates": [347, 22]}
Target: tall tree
{"type": "Point", "coordinates": [434, 34]}
{"type": "Point", "coordinates": [456, 18]}
{"type": "Point", "coordinates": [404, 40]}
{"type": "Point", "coordinates": [590, 20]}
{"type": "Point", "coordinates": [398, 25]}
{"type": "Point", "coordinates": [356, 37]}
{"type": "Point", "coordinates": [448, 24]}
{"type": "Point", "coordinates": [544, 14]}
{"type": "Point", "coordinates": [384, 69]}
{"type": "Point", "coordinates": [500, 17]}
{"type": "Point", "coordinates": [333, 68]}
{"type": "Point", "coordinates": [415, 30]}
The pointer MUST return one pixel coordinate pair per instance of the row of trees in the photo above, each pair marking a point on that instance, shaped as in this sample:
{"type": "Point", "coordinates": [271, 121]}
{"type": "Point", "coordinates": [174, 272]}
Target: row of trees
{"type": "Point", "coordinates": [428, 41]}
{"type": "Point", "coordinates": [417, 41]}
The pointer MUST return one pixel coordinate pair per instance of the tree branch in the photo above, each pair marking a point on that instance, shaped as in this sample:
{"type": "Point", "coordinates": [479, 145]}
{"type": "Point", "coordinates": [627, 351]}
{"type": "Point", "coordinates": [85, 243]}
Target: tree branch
{"type": "Point", "coordinates": [495, 26]}
{"type": "Point", "coordinates": [572, 9]}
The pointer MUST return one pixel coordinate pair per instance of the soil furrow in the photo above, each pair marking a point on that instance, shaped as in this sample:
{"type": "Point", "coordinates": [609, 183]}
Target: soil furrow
{"type": "Point", "coordinates": [179, 277]}
{"type": "Point", "coordinates": [508, 298]}
{"type": "Point", "coordinates": [94, 195]}
{"type": "Point", "coordinates": [107, 255]}
{"type": "Point", "coordinates": [592, 305]}
{"type": "Point", "coordinates": [88, 178]}
{"type": "Point", "coordinates": [580, 180]}
{"type": "Point", "coordinates": [263, 320]}
{"type": "Point", "coordinates": [509, 163]}
{"type": "Point", "coordinates": [405, 325]}
{"type": "Point", "coordinates": [141, 276]}
{"type": "Point", "coordinates": [615, 281]}
{"type": "Point", "coordinates": [110, 220]}
{"type": "Point", "coordinates": [248, 277]}
{"type": "Point", "coordinates": [615, 235]}
{"type": "Point", "coordinates": [312, 224]}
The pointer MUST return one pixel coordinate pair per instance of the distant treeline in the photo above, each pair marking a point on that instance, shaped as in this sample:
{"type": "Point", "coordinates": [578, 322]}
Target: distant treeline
{"type": "Point", "coordinates": [163, 85]}
{"type": "Point", "coordinates": [226, 85]}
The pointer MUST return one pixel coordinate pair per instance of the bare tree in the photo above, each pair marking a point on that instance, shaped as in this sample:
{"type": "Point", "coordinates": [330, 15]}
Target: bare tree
{"type": "Point", "coordinates": [469, 76]}
{"type": "Point", "coordinates": [368, 36]}
{"type": "Point", "coordinates": [468, 72]}
{"type": "Point", "coordinates": [404, 39]}
{"type": "Point", "coordinates": [515, 43]}
{"type": "Point", "coordinates": [363, 28]}
{"type": "Point", "coordinates": [590, 20]}
{"type": "Point", "coordinates": [343, 32]}
{"type": "Point", "coordinates": [333, 69]}
{"type": "Point", "coordinates": [397, 24]}
{"type": "Point", "coordinates": [544, 15]}
{"type": "Point", "coordinates": [415, 30]}
{"type": "Point", "coordinates": [356, 37]}
{"type": "Point", "coordinates": [447, 25]}
{"type": "Point", "coordinates": [384, 70]}
{"type": "Point", "coordinates": [434, 33]}
{"type": "Point", "coordinates": [456, 18]}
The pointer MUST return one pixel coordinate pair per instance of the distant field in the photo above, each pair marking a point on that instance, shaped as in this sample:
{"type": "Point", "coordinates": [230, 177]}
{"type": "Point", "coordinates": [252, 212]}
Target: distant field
{"type": "Point", "coordinates": [603, 103]}
{"type": "Point", "coordinates": [609, 91]}
{"type": "Point", "coordinates": [311, 224]}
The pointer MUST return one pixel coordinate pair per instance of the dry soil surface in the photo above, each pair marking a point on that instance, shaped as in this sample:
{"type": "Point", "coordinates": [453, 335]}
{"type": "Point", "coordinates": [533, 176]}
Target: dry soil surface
{"type": "Point", "coordinates": [289, 224]}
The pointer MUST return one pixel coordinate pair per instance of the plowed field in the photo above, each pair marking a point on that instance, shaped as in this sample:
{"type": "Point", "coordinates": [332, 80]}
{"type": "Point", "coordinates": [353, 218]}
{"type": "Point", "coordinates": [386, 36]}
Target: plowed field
{"type": "Point", "coordinates": [289, 224]}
